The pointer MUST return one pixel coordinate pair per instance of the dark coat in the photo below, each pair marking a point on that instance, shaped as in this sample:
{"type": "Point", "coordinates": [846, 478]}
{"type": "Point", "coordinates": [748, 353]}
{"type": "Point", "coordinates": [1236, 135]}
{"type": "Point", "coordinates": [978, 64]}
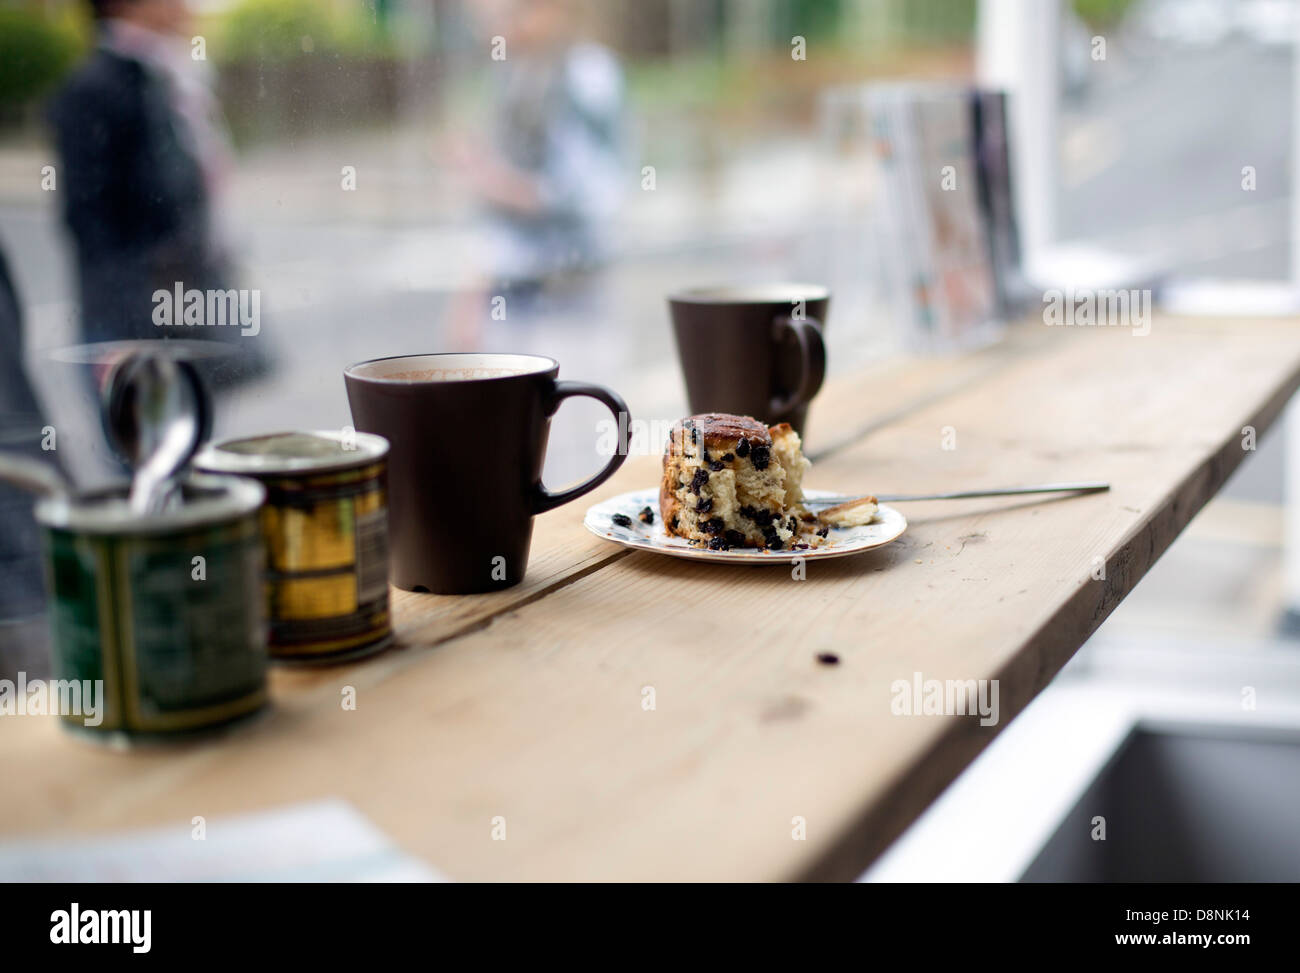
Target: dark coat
{"type": "Point", "coordinates": [133, 196]}
{"type": "Point", "coordinates": [20, 416]}
{"type": "Point", "coordinates": [135, 201]}
{"type": "Point", "coordinates": [21, 424]}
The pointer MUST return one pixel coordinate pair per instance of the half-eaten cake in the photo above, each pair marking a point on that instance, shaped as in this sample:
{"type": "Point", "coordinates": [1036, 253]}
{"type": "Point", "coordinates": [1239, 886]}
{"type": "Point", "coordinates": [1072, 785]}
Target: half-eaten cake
{"type": "Point", "coordinates": [730, 481]}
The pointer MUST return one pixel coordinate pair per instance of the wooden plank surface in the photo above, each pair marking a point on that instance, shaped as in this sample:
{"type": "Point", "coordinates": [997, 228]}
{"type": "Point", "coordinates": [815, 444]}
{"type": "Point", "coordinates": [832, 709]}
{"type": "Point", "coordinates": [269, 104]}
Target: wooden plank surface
{"type": "Point", "coordinates": [531, 708]}
{"type": "Point", "coordinates": [563, 550]}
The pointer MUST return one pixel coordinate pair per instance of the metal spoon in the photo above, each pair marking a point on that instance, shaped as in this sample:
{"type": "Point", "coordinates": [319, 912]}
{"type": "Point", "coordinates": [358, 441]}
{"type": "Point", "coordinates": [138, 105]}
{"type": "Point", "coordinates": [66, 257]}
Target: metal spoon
{"type": "Point", "coordinates": [1088, 487]}
{"type": "Point", "coordinates": [157, 414]}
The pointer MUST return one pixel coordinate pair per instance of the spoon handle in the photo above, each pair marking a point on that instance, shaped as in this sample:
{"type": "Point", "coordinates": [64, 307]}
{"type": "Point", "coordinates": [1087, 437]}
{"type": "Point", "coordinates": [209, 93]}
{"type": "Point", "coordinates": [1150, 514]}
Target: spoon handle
{"type": "Point", "coordinates": [1086, 487]}
{"type": "Point", "coordinates": [30, 474]}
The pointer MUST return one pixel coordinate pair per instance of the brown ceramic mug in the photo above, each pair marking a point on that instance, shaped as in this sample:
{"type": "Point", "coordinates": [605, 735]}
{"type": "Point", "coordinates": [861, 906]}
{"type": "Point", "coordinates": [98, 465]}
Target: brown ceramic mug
{"type": "Point", "coordinates": [467, 435]}
{"type": "Point", "coordinates": [752, 350]}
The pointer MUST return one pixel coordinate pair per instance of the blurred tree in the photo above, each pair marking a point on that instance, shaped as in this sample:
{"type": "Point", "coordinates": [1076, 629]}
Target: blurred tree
{"type": "Point", "coordinates": [276, 30]}
{"type": "Point", "coordinates": [35, 53]}
{"type": "Point", "coordinates": [1102, 13]}
{"type": "Point", "coordinates": [807, 18]}
{"type": "Point", "coordinates": [284, 30]}
{"type": "Point", "coordinates": [289, 67]}
{"type": "Point", "coordinates": [930, 21]}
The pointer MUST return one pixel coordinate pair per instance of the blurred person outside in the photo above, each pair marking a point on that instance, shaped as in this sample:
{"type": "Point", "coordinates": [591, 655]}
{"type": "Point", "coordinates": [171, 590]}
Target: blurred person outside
{"type": "Point", "coordinates": [22, 429]}
{"type": "Point", "coordinates": [549, 176]}
{"type": "Point", "coordinates": [144, 155]}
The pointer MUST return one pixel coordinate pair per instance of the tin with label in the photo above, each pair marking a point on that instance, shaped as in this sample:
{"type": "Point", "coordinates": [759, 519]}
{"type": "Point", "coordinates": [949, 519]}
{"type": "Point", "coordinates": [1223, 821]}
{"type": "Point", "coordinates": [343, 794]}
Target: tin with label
{"type": "Point", "coordinates": [162, 619]}
{"type": "Point", "coordinates": [326, 528]}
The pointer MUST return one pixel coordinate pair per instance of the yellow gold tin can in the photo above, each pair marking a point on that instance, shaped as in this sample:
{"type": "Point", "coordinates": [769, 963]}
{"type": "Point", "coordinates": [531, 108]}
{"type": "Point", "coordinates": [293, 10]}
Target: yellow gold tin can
{"type": "Point", "coordinates": [325, 525]}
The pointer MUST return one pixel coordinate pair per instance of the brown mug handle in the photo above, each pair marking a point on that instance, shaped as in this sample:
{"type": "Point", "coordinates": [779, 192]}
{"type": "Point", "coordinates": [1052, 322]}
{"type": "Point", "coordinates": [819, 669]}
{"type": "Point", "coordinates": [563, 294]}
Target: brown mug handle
{"type": "Point", "coordinates": [812, 361]}
{"type": "Point", "coordinates": [544, 499]}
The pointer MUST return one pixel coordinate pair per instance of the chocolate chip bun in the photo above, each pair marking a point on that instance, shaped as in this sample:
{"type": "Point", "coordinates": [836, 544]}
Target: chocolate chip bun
{"type": "Point", "coordinates": [730, 481]}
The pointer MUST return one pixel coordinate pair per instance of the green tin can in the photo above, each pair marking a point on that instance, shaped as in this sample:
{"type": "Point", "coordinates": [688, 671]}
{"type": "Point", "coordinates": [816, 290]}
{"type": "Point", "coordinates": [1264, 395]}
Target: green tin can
{"type": "Point", "coordinates": [167, 613]}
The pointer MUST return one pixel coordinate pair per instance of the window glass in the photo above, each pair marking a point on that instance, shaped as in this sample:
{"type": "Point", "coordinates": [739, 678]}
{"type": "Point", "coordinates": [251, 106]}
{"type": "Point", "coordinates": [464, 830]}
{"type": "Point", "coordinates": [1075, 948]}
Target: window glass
{"type": "Point", "coordinates": [1175, 133]}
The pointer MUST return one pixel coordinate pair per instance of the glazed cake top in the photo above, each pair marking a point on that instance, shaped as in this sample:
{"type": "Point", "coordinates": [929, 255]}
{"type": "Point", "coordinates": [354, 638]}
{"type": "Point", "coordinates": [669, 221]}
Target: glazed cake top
{"type": "Point", "coordinates": [720, 430]}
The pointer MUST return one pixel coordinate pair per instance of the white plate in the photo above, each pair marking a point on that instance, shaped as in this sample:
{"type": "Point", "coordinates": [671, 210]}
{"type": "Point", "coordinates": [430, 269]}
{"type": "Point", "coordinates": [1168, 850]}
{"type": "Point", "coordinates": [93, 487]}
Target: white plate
{"type": "Point", "coordinates": [888, 526]}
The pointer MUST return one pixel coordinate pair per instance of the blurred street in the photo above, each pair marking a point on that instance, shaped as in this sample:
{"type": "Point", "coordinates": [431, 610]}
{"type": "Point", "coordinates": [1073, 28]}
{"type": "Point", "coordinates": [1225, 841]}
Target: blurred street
{"type": "Point", "coordinates": [1152, 152]}
{"type": "Point", "coordinates": [348, 275]}
{"type": "Point", "coordinates": [352, 275]}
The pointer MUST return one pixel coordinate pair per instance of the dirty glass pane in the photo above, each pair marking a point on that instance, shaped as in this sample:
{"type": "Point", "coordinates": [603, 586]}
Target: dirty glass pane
{"type": "Point", "coordinates": [1175, 134]}
{"type": "Point", "coordinates": [295, 185]}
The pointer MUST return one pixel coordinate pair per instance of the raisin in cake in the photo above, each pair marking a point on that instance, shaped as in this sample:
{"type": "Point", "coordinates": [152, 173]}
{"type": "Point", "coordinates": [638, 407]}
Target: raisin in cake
{"type": "Point", "coordinates": [730, 481]}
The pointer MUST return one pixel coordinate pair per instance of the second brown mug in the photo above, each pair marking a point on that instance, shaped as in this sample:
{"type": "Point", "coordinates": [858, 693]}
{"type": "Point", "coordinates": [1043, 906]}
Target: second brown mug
{"type": "Point", "coordinates": [753, 350]}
